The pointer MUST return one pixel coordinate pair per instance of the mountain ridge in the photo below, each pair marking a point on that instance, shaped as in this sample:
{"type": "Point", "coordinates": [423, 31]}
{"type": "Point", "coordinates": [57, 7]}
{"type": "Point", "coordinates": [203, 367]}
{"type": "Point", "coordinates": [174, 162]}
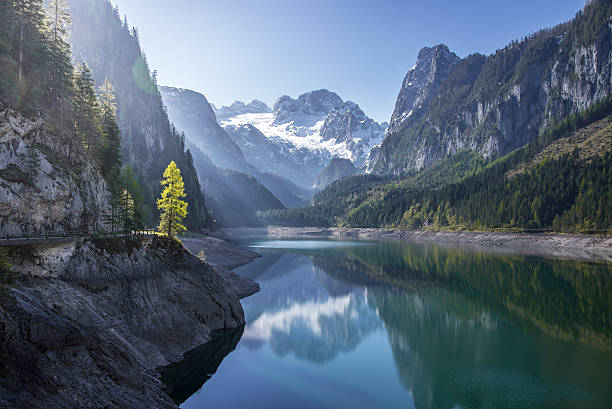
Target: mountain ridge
{"type": "Point", "coordinates": [304, 134]}
{"type": "Point", "coordinates": [497, 103]}
{"type": "Point", "coordinates": [194, 115]}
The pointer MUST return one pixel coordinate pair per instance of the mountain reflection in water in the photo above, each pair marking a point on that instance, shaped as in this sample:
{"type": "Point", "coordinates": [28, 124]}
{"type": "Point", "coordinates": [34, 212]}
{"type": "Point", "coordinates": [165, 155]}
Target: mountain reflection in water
{"type": "Point", "coordinates": [396, 324]}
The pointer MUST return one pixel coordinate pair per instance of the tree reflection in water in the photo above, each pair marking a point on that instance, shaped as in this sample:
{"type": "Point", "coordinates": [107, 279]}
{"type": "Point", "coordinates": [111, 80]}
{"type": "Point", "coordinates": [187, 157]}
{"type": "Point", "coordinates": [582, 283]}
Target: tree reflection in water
{"type": "Point", "coordinates": [463, 329]}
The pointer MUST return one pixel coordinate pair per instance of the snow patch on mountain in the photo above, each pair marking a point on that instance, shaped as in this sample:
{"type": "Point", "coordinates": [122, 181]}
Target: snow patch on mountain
{"type": "Point", "coordinates": [239, 107]}
{"type": "Point", "coordinates": [318, 122]}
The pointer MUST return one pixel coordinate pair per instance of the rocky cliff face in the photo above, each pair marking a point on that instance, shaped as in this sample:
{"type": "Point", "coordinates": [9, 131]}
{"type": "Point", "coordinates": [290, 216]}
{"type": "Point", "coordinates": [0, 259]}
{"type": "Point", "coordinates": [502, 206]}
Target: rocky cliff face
{"type": "Point", "coordinates": [44, 186]}
{"type": "Point", "coordinates": [498, 103]}
{"type": "Point", "coordinates": [422, 82]}
{"type": "Point", "coordinates": [308, 109]}
{"type": "Point", "coordinates": [87, 324]}
{"type": "Point", "coordinates": [192, 114]}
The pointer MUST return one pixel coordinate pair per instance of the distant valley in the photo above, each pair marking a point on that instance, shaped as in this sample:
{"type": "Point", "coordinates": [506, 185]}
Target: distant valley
{"type": "Point", "coordinates": [296, 139]}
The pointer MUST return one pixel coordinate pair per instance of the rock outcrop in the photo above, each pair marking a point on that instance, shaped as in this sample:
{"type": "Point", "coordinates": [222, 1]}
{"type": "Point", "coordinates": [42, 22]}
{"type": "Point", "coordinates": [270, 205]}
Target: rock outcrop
{"type": "Point", "coordinates": [45, 184]}
{"type": "Point", "coordinates": [87, 324]}
{"type": "Point", "coordinates": [336, 169]}
{"type": "Point", "coordinates": [422, 82]}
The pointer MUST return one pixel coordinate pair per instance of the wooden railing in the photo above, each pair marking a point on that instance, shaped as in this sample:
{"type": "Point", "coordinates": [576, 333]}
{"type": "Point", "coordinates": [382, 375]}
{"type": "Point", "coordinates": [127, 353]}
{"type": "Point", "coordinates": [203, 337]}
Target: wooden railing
{"type": "Point", "coordinates": [32, 238]}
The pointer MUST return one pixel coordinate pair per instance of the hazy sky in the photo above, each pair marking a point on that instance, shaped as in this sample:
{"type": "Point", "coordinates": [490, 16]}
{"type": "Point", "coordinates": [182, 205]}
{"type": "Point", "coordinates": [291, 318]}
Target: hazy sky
{"type": "Point", "coordinates": [246, 49]}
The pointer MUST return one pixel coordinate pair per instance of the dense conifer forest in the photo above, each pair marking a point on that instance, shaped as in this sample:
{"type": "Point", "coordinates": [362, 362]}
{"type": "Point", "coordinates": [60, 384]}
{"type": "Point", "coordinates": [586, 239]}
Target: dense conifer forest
{"type": "Point", "coordinates": [106, 110]}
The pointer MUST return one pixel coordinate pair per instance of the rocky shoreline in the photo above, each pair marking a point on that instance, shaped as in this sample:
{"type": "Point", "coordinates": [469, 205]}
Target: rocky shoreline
{"type": "Point", "coordinates": [87, 324]}
{"type": "Point", "coordinates": [594, 248]}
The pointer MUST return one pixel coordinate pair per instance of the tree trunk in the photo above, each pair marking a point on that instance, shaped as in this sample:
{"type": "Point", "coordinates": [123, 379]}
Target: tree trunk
{"type": "Point", "coordinates": [21, 52]}
{"type": "Point", "coordinates": [171, 216]}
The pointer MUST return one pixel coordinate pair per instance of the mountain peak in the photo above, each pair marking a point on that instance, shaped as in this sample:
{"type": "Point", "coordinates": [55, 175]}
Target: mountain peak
{"type": "Point", "coordinates": [309, 108]}
{"type": "Point", "coordinates": [422, 82]}
{"type": "Point", "coordinates": [238, 107]}
{"type": "Point", "coordinates": [436, 50]}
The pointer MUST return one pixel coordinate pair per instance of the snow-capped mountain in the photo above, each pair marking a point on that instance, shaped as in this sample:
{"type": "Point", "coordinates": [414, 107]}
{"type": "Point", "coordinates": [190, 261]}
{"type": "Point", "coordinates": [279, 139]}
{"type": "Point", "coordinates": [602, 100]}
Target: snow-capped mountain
{"type": "Point", "coordinates": [302, 135]}
{"type": "Point", "coordinates": [191, 113]}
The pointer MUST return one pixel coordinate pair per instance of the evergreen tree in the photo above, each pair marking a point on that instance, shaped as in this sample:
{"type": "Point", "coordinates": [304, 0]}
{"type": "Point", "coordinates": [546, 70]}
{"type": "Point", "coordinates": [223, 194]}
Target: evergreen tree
{"type": "Point", "coordinates": [60, 65]}
{"type": "Point", "coordinates": [171, 206]}
{"type": "Point", "coordinates": [128, 217]}
{"type": "Point", "coordinates": [133, 187]}
{"type": "Point", "coordinates": [115, 189]}
{"type": "Point", "coordinates": [23, 54]}
{"type": "Point", "coordinates": [29, 19]}
{"type": "Point", "coordinates": [87, 126]}
{"type": "Point", "coordinates": [125, 200]}
{"type": "Point", "coordinates": [111, 156]}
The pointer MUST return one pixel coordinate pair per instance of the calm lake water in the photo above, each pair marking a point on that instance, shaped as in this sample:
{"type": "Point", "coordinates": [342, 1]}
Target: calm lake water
{"type": "Point", "coordinates": [347, 324]}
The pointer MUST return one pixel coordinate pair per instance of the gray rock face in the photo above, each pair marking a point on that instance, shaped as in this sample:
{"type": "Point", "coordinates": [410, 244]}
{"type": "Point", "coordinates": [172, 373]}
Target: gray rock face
{"type": "Point", "coordinates": [192, 114]}
{"type": "Point", "coordinates": [336, 169]}
{"type": "Point", "coordinates": [422, 83]}
{"type": "Point", "coordinates": [90, 323]}
{"type": "Point", "coordinates": [498, 103]}
{"type": "Point", "coordinates": [309, 107]}
{"type": "Point", "coordinates": [349, 125]}
{"type": "Point", "coordinates": [44, 187]}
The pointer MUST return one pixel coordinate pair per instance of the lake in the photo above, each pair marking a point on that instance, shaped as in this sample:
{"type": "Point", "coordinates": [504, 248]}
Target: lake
{"type": "Point", "coordinates": [352, 324]}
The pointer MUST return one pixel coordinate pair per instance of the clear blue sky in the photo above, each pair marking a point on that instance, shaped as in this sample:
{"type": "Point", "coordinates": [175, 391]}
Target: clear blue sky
{"type": "Point", "coordinates": [245, 49]}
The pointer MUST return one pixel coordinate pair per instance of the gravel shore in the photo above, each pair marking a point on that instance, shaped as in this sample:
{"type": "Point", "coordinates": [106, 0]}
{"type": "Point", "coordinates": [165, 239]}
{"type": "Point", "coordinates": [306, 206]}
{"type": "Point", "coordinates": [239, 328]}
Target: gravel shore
{"type": "Point", "coordinates": [595, 248]}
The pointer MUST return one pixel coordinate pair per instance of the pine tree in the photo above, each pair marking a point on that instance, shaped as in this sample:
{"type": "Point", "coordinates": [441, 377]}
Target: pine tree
{"type": "Point", "coordinates": [172, 208]}
{"type": "Point", "coordinates": [135, 191]}
{"type": "Point", "coordinates": [115, 189]}
{"type": "Point", "coordinates": [127, 212]}
{"type": "Point", "coordinates": [24, 53]}
{"type": "Point", "coordinates": [111, 157]}
{"type": "Point", "coordinates": [87, 113]}
{"type": "Point", "coordinates": [60, 65]}
{"type": "Point", "coordinates": [29, 16]}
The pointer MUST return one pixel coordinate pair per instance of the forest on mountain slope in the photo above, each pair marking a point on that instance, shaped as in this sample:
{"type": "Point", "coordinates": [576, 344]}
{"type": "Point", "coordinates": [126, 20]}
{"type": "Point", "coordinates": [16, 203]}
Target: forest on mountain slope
{"type": "Point", "coordinates": [104, 107]}
{"type": "Point", "coordinates": [107, 44]}
{"type": "Point", "coordinates": [517, 140]}
{"type": "Point", "coordinates": [565, 189]}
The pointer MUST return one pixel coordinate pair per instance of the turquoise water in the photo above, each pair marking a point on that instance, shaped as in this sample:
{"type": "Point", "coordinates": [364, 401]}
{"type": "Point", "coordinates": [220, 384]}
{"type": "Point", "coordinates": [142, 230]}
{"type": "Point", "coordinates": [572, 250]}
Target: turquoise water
{"type": "Point", "coordinates": [345, 324]}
